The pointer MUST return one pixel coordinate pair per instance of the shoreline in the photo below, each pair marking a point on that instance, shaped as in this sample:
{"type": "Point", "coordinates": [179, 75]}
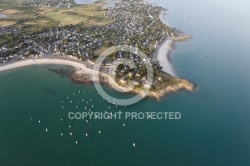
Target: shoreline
{"type": "Point", "coordinates": [83, 74]}
{"type": "Point", "coordinates": [163, 56]}
{"type": "Point", "coordinates": [40, 61]}
{"type": "Point", "coordinates": [163, 51]}
{"type": "Point", "coordinates": [161, 16]}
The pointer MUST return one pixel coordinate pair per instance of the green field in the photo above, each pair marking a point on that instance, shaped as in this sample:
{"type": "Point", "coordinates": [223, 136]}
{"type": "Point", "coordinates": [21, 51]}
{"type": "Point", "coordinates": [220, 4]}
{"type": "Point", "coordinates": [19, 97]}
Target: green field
{"type": "Point", "coordinates": [47, 17]}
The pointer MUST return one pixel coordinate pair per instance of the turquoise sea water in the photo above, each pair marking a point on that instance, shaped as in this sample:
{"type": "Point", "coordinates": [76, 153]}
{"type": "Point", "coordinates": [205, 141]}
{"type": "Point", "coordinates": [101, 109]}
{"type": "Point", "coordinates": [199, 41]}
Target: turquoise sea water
{"type": "Point", "coordinates": [214, 128]}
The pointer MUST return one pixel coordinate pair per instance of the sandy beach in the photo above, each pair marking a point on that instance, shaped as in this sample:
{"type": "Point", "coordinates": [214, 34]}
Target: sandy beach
{"type": "Point", "coordinates": [29, 62]}
{"type": "Point", "coordinates": [162, 55]}
{"type": "Point", "coordinates": [80, 69]}
{"type": "Point", "coordinates": [163, 52]}
{"type": "Point", "coordinates": [94, 75]}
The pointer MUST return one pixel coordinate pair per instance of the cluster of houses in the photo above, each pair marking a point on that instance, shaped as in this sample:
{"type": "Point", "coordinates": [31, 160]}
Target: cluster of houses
{"type": "Point", "coordinates": [70, 42]}
{"type": "Point", "coordinates": [131, 71]}
{"type": "Point", "coordinates": [135, 23]}
{"type": "Point", "coordinates": [139, 24]}
{"type": "Point", "coordinates": [9, 30]}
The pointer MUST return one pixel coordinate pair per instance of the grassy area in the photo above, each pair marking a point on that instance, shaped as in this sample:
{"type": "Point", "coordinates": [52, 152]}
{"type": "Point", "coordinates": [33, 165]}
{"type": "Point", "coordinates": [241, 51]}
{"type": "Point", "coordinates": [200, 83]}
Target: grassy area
{"type": "Point", "coordinates": [66, 19]}
{"type": "Point", "coordinates": [43, 10]}
{"type": "Point", "coordinates": [90, 10]}
{"type": "Point", "coordinates": [97, 22]}
{"type": "Point", "coordinates": [44, 22]}
{"type": "Point", "coordinates": [101, 50]}
{"type": "Point", "coordinates": [88, 14]}
{"type": "Point", "coordinates": [6, 23]}
{"type": "Point", "coordinates": [5, 4]}
{"type": "Point", "coordinates": [30, 19]}
{"type": "Point", "coordinates": [10, 11]}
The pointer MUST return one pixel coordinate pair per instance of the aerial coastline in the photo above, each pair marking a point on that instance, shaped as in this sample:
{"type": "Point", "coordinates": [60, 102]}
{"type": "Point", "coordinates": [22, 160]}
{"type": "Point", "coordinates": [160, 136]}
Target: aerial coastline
{"type": "Point", "coordinates": [163, 56]}
{"type": "Point", "coordinates": [163, 52]}
{"type": "Point", "coordinates": [84, 74]}
{"type": "Point", "coordinates": [124, 83]}
{"type": "Point", "coordinates": [81, 43]}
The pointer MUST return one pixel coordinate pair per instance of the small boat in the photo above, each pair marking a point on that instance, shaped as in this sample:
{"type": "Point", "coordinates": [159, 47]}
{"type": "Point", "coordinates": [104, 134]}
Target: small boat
{"type": "Point", "coordinates": [86, 134]}
{"type": "Point", "coordinates": [39, 121]}
{"type": "Point", "coordinates": [70, 133]}
{"type": "Point", "coordinates": [61, 119]}
{"type": "Point", "coordinates": [134, 145]}
{"type": "Point", "coordinates": [69, 126]}
{"type": "Point", "coordinates": [124, 124]}
{"type": "Point", "coordinates": [76, 142]}
{"type": "Point", "coordinates": [46, 130]}
{"type": "Point", "coordinates": [61, 134]}
{"type": "Point", "coordinates": [100, 132]}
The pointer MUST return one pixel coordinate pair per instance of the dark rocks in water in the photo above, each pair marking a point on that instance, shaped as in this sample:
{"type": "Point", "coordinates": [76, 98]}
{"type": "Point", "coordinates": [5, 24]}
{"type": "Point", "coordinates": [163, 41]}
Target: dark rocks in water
{"type": "Point", "coordinates": [62, 72]}
{"type": "Point", "coordinates": [81, 78]}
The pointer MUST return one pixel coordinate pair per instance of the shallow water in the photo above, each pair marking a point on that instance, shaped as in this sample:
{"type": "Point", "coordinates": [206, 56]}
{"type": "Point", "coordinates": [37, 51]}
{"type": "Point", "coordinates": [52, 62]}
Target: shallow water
{"type": "Point", "coordinates": [214, 128]}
